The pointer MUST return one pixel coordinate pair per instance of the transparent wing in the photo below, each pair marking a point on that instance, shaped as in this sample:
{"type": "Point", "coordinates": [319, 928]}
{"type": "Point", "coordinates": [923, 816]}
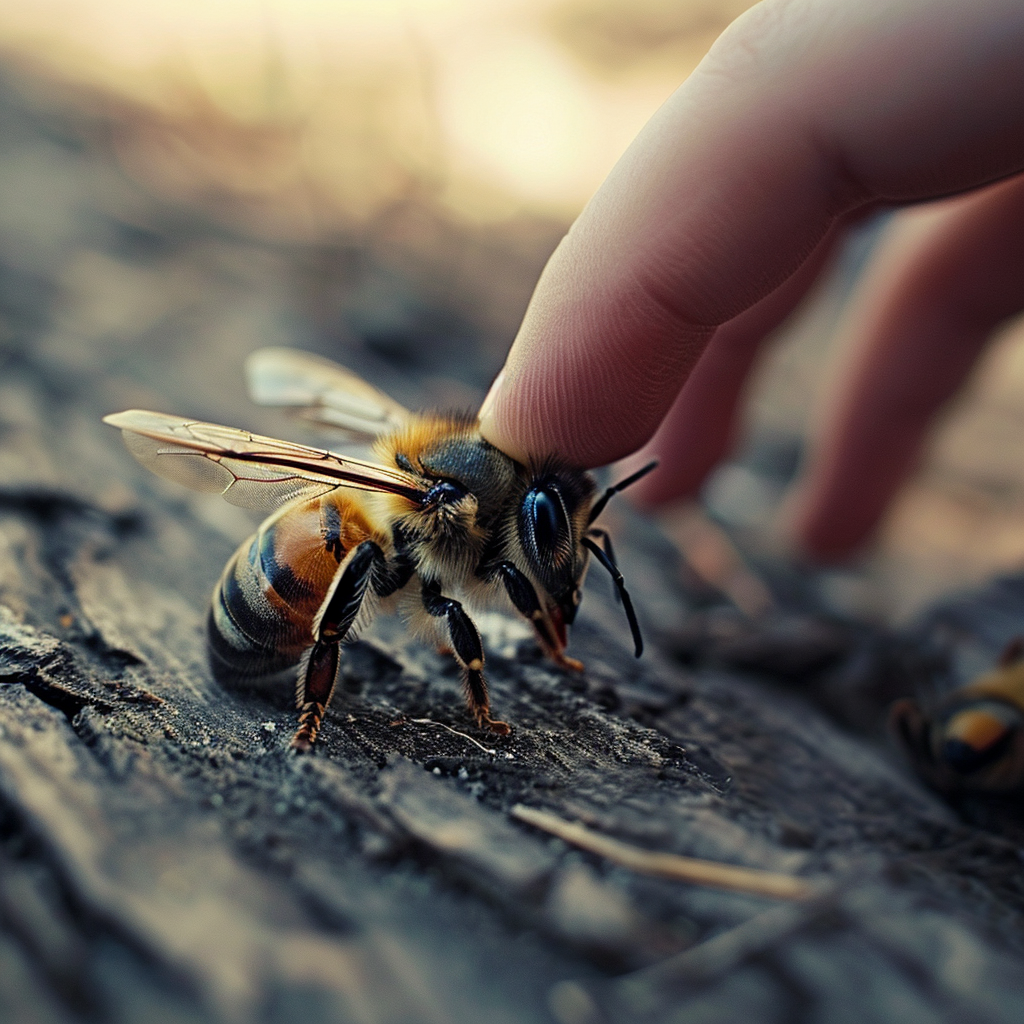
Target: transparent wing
{"type": "Point", "coordinates": [247, 469]}
{"type": "Point", "coordinates": [317, 389]}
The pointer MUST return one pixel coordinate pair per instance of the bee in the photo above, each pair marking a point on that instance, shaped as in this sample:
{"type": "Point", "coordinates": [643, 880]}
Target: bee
{"type": "Point", "coordinates": [973, 740]}
{"type": "Point", "coordinates": [441, 521]}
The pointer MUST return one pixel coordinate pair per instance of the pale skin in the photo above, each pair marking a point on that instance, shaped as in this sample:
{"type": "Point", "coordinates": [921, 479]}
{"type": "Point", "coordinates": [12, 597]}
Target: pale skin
{"type": "Point", "coordinates": [805, 116]}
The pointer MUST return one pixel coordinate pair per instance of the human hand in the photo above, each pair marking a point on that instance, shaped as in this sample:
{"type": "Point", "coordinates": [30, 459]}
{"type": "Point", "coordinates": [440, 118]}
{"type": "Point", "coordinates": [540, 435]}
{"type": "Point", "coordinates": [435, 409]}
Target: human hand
{"type": "Point", "coordinates": [804, 115]}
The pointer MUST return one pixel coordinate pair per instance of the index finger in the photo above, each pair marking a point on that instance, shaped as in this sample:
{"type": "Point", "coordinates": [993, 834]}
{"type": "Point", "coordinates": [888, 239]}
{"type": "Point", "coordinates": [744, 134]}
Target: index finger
{"type": "Point", "coordinates": [804, 110]}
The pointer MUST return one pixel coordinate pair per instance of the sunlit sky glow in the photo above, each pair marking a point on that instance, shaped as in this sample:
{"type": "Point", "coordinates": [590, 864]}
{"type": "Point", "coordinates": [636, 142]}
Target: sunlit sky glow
{"type": "Point", "coordinates": [502, 102]}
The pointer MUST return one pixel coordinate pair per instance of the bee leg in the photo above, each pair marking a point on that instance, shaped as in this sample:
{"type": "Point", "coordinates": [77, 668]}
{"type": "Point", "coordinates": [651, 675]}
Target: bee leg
{"type": "Point", "coordinates": [620, 583]}
{"type": "Point", "coordinates": [395, 574]}
{"type": "Point", "coordinates": [469, 652]}
{"type": "Point", "coordinates": [1013, 652]}
{"type": "Point", "coordinates": [320, 669]}
{"type": "Point", "coordinates": [909, 725]}
{"type": "Point", "coordinates": [523, 595]}
{"type": "Point", "coordinates": [316, 684]}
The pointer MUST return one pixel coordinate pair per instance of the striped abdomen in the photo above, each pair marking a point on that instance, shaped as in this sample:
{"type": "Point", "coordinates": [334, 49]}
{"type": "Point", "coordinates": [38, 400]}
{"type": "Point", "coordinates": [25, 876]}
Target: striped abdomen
{"type": "Point", "coordinates": [261, 616]}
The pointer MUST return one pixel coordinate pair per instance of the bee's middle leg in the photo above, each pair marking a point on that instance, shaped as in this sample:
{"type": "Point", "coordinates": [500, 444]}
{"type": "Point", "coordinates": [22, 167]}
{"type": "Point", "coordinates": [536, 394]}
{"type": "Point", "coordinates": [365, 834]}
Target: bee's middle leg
{"type": "Point", "coordinates": [333, 621]}
{"type": "Point", "coordinates": [469, 652]}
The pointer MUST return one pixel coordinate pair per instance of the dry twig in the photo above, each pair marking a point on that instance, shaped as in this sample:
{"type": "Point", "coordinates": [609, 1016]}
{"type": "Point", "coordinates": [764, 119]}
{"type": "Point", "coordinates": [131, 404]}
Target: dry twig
{"type": "Point", "coordinates": [670, 865]}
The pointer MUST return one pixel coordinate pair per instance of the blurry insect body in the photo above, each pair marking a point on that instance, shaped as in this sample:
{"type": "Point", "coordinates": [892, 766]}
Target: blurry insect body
{"type": "Point", "coordinates": [973, 741]}
{"type": "Point", "coordinates": [442, 518]}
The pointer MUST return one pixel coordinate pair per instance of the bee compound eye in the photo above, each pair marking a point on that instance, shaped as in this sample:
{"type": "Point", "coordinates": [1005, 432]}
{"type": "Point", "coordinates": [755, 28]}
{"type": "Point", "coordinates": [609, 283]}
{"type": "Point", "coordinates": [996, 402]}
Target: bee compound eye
{"type": "Point", "coordinates": [545, 516]}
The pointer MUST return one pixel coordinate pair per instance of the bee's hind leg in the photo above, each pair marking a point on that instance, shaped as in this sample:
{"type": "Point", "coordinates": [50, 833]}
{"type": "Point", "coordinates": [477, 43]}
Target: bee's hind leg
{"type": "Point", "coordinates": [319, 669]}
{"type": "Point", "coordinates": [315, 686]}
{"type": "Point", "coordinates": [469, 652]}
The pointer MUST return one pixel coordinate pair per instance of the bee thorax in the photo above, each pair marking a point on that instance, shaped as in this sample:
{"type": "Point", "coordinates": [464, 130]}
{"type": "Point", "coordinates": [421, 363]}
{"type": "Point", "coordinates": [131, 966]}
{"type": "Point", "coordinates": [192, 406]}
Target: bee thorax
{"type": "Point", "coordinates": [446, 537]}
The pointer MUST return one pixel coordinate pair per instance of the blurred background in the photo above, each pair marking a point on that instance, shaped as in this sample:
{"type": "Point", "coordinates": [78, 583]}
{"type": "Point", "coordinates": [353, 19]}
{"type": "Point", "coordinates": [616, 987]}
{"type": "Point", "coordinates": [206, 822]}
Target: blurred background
{"type": "Point", "coordinates": [392, 175]}
{"type": "Point", "coordinates": [335, 110]}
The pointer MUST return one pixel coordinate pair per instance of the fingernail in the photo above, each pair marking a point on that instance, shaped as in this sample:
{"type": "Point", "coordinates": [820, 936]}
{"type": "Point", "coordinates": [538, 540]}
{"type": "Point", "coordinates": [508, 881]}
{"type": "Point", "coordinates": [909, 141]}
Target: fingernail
{"type": "Point", "coordinates": [492, 395]}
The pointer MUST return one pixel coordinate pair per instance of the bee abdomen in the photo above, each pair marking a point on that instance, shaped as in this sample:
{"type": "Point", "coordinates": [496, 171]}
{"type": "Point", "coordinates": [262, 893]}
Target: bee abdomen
{"type": "Point", "coordinates": [263, 608]}
{"type": "Point", "coordinates": [249, 633]}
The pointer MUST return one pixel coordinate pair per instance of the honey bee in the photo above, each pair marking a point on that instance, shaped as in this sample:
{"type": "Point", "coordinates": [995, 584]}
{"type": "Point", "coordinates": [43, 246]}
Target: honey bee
{"type": "Point", "coordinates": [443, 518]}
{"type": "Point", "coordinates": [973, 740]}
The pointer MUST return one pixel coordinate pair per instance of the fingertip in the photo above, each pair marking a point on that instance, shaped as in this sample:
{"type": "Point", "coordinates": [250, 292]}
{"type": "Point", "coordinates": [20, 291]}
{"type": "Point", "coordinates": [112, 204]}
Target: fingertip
{"type": "Point", "coordinates": [487, 406]}
{"type": "Point", "coordinates": [494, 423]}
{"type": "Point", "coordinates": [811, 534]}
{"type": "Point", "coordinates": [581, 402]}
{"type": "Point", "coordinates": [833, 513]}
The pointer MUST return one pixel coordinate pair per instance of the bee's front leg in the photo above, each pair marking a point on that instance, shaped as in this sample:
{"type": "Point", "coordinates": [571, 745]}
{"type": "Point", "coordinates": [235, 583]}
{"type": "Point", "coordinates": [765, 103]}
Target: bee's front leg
{"type": "Point", "coordinates": [522, 594]}
{"type": "Point", "coordinates": [469, 652]}
{"type": "Point", "coordinates": [319, 668]}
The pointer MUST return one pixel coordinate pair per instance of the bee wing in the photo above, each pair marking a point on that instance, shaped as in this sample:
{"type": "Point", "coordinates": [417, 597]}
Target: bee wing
{"type": "Point", "coordinates": [247, 469]}
{"type": "Point", "coordinates": [321, 391]}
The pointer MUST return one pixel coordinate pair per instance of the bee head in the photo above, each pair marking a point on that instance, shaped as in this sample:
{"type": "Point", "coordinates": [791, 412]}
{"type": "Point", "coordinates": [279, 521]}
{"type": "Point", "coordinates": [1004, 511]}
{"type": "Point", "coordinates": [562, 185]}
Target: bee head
{"type": "Point", "coordinates": [551, 522]}
{"type": "Point", "coordinates": [556, 533]}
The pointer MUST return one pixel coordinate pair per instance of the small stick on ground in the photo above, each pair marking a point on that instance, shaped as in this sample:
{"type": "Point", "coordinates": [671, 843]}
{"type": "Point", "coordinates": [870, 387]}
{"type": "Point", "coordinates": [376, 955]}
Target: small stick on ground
{"type": "Point", "coordinates": [670, 865]}
{"type": "Point", "coordinates": [455, 732]}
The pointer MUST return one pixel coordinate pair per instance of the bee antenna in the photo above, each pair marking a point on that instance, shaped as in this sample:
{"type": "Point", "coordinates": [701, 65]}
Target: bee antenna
{"type": "Point", "coordinates": [615, 488]}
{"type": "Point", "coordinates": [620, 583]}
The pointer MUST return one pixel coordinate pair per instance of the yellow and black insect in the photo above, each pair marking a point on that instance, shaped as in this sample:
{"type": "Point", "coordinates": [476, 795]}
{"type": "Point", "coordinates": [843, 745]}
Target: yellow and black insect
{"type": "Point", "coordinates": [973, 740]}
{"type": "Point", "coordinates": [443, 518]}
